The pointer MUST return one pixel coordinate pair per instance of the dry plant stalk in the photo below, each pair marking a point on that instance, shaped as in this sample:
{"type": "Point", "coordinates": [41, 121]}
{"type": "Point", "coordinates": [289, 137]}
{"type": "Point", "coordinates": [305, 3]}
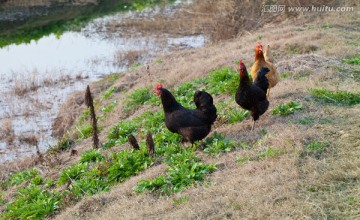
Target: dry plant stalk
{"type": "Point", "coordinates": [133, 142]}
{"type": "Point", "coordinates": [90, 104]}
{"type": "Point", "coordinates": [150, 145]}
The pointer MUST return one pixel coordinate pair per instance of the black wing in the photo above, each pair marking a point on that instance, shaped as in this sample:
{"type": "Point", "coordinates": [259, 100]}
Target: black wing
{"type": "Point", "coordinates": [261, 81]}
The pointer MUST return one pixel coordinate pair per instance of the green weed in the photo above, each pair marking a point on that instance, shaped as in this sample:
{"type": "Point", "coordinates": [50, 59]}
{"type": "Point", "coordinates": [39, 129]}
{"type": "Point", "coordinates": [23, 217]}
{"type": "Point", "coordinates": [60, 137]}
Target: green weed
{"type": "Point", "coordinates": [185, 94]}
{"type": "Point", "coordinates": [270, 152]}
{"type": "Point", "coordinates": [85, 115]}
{"type": "Point", "coordinates": [18, 178]}
{"type": "Point", "coordinates": [37, 180]}
{"type": "Point", "coordinates": [72, 173]}
{"type": "Point", "coordinates": [217, 144]}
{"type": "Point", "coordinates": [285, 75]}
{"type": "Point", "coordinates": [243, 160]}
{"type": "Point", "coordinates": [307, 120]}
{"type": "Point", "coordinates": [127, 163]}
{"type": "Point", "coordinates": [137, 97]}
{"type": "Point", "coordinates": [302, 74]}
{"type": "Point", "coordinates": [112, 77]}
{"type": "Point", "coordinates": [287, 109]}
{"type": "Point", "coordinates": [314, 149]}
{"type": "Point", "coordinates": [108, 93]}
{"type": "Point", "coordinates": [181, 200]}
{"type": "Point", "coordinates": [135, 66]}
{"type": "Point", "coordinates": [336, 97]}
{"type": "Point", "coordinates": [63, 144]}
{"type": "Point", "coordinates": [89, 183]}
{"type": "Point", "coordinates": [32, 202]}
{"type": "Point", "coordinates": [352, 61]}
{"type": "Point", "coordinates": [222, 81]}
{"type": "Point", "coordinates": [184, 170]}
{"type": "Point", "coordinates": [91, 155]}
{"type": "Point", "coordinates": [231, 114]}
{"type": "Point", "coordinates": [85, 130]}
{"type": "Point", "coordinates": [120, 132]}
{"type": "Point", "coordinates": [326, 26]}
{"type": "Point", "coordinates": [109, 107]}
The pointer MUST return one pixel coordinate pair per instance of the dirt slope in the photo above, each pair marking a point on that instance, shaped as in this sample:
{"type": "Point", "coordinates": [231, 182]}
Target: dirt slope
{"type": "Point", "coordinates": [309, 53]}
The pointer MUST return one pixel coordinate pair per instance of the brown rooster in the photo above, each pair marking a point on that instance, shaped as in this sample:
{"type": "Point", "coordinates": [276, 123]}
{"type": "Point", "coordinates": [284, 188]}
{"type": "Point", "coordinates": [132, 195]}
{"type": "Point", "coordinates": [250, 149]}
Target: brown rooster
{"type": "Point", "coordinates": [267, 55]}
{"type": "Point", "coordinates": [272, 76]}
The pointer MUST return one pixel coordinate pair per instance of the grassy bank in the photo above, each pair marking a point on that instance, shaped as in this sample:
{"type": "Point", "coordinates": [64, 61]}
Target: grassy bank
{"type": "Point", "coordinates": [302, 160]}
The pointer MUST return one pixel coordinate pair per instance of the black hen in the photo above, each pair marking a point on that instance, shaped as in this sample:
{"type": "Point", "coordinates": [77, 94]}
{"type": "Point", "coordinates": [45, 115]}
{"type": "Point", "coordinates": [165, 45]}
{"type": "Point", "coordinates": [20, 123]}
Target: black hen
{"type": "Point", "coordinates": [252, 96]}
{"type": "Point", "coordinates": [194, 124]}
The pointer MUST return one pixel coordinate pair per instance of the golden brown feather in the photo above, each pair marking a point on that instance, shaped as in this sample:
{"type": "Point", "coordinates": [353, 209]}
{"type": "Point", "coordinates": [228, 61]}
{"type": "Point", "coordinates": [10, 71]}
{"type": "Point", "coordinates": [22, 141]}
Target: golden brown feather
{"type": "Point", "coordinates": [272, 76]}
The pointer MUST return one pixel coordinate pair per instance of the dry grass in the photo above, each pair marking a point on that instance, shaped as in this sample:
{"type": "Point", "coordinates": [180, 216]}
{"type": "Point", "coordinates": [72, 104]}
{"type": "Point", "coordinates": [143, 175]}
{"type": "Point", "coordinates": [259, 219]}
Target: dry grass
{"type": "Point", "coordinates": [217, 19]}
{"type": "Point", "coordinates": [287, 186]}
{"type": "Point", "coordinates": [7, 132]}
{"type": "Point", "coordinates": [127, 58]}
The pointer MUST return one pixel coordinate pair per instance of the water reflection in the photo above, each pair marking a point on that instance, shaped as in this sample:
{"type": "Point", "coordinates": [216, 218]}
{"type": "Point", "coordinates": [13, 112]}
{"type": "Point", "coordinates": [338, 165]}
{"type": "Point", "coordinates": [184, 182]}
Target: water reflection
{"type": "Point", "coordinates": [53, 68]}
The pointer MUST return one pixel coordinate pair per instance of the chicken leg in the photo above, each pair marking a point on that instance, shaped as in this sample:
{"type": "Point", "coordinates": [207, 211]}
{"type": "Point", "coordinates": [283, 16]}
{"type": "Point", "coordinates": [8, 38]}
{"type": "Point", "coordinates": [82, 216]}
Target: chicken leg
{"type": "Point", "coordinates": [253, 126]}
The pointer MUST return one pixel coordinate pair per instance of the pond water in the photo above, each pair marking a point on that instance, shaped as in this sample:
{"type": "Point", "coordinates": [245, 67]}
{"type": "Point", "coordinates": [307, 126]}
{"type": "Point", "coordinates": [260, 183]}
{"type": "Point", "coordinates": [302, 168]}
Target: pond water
{"type": "Point", "coordinates": [36, 78]}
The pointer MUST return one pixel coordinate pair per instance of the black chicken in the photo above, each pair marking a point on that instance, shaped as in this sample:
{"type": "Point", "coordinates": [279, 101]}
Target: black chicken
{"type": "Point", "coordinates": [252, 96]}
{"type": "Point", "coordinates": [194, 124]}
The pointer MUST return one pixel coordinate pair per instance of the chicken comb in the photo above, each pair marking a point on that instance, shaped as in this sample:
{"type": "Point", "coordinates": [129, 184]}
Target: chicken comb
{"type": "Point", "coordinates": [158, 86]}
{"type": "Point", "coordinates": [259, 45]}
{"type": "Point", "coordinates": [240, 63]}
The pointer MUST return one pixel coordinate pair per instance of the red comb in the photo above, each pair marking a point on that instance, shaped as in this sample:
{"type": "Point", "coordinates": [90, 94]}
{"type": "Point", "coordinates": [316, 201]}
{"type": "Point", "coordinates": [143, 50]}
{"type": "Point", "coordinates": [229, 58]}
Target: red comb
{"type": "Point", "coordinates": [240, 63]}
{"type": "Point", "coordinates": [158, 86]}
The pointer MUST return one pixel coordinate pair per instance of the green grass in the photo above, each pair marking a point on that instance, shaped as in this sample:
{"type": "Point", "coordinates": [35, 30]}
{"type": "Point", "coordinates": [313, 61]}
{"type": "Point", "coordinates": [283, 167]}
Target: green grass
{"type": "Point", "coordinates": [314, 149]}
{"type": "Point", "coordinates": [32, 202]}
{"type": "Point", "coordinates": [326, 26]}
{"type": "Point", "coordinates": [137, 98]}
{"type": "Point", "coordinates": [336, 97]}
{"type": "Point", "coordinates": [63, 144]}
{"type": "Point", "coordinates": [243, 160]}
{"type": "Point", "coordinates": [109, 92]}
{"type": "Point", "coordinates": [85, 115]}
{"type": "Point", "coordinates": [269, 152]}
{"type": "Point", "coordinates": [18, 178]}
{"type": "Point", "coordinates": [308, 120]}
{"type": "Point", "coordinates": [184, 170]}
{"type": "Point", "coordinates": [217, 144]}
{"type": "Point", "coordinates": [85, 130]}
{"type": "Point", "coordinates": [72, 173]}
{"type": "Point", "coordinates": [95, 172]}
{"type": "Point", "coordinates": [222, 81]}
{"type": "Point", "coordinates": [109, 108]}
{"type": "Point", "coordinates": [352, 61]}
{"type": "Point", "coordinates": [91, 155]}
{"type": "Point", "coordinates": [285, 75]}
{"type": "Point", "coordinates": [286, 108]}
{"type": "Point", "coordinates": [231, 114]}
